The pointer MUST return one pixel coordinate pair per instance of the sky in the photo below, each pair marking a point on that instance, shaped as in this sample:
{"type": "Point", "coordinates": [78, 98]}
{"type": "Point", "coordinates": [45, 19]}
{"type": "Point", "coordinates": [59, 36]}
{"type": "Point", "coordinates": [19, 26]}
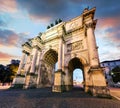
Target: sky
{"type": "Point", "coordinates": [24, 19]}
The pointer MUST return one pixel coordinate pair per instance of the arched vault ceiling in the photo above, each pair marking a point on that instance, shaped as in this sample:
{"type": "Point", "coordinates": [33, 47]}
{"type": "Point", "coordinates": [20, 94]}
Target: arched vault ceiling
{"type": "Point", "coordinates": [51, 57]}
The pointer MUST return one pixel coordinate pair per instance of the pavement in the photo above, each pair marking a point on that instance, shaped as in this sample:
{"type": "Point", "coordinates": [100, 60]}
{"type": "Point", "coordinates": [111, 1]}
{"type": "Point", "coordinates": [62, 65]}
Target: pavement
{"type": "Point", "coordinates": [115, 92]}
{"type": "Point", "coordinates": [44, 98]}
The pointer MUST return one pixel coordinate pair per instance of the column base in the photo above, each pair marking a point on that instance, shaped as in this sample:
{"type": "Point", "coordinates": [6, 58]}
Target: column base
{"type": "Point", "coordinates": [99, 91]}
{"type": "Point", "coordinates": [68, 87]}
{"type": "Point", "coordinates": [30, 81]}
{"type": "Point", "coordinates": [18, 81]}
{"type": "Point", "coordinates": [97, 85]}
{"type": "Point", "coordinates": [58, 88]}
{"type": "Point", "coordinates": [58, 81]}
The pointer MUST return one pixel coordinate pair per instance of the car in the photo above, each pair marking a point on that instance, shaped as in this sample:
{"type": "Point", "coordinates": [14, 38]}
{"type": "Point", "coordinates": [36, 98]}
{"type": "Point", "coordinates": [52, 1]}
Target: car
{"type": "Point", "coordinates": [117, 84]}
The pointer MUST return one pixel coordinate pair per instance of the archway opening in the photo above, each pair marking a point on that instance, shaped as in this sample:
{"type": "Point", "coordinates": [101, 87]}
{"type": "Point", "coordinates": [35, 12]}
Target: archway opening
{"type": "Point", "coordinates": [78, 78]}
{"type": "Point", "coordinates": [76, 73]}
{"type": "Point", "coordinates": [50, 59]}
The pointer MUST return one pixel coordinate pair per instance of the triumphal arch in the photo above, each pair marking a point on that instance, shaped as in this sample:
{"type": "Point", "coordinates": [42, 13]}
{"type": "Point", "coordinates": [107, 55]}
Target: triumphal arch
{"type": "Point", "coordinates": [72, 45]}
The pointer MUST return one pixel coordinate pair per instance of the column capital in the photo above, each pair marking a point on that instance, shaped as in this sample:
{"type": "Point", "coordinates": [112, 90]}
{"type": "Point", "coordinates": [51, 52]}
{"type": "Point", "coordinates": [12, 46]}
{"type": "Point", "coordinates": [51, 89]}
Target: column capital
{"type": "Point", "coordinates": [37, 47]}
{"type": "Point", "coordinates": [23, 51]}
{"type": "Point", "coordinates": [89, 25]}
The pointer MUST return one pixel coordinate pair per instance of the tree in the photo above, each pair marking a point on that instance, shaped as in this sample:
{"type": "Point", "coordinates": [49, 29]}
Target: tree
{"type": "Point", "coordinates": [56, 22]}
{"type": "Point", "coordinates": [13, 68]}
{"type": "Point", "coordinates": [116, 74]}
{"type": "Point", "coordinates": [51, 24]}
{"type": "Point", "coordinates": [48, 27]}
{"type": "Point", "coordinates": [2, 73]}
{"type": "Point", "coordinates": [60, 20]}
{"type": "Point", "coordinates": [7, 73]}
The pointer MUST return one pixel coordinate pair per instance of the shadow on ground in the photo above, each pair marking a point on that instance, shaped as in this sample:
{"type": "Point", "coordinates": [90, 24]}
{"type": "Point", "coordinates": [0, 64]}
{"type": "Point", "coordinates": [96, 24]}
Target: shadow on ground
{"type": "Point", "coordinates": [44, 98]}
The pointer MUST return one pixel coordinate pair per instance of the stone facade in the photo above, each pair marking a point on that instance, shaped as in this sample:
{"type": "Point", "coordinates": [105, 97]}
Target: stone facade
{"type": "Point", "coordinates": [72, 44]}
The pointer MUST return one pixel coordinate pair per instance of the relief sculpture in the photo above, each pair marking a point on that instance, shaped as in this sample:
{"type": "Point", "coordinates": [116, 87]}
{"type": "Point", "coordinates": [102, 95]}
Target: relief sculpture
{"type": "Point", "coordinates": [75, 46]}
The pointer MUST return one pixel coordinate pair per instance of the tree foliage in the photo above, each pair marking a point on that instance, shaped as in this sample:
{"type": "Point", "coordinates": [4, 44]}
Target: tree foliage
{"type": "Point", "coordinates": [116, 74]}
{"type": "Point", "coordinates": [7, 73]}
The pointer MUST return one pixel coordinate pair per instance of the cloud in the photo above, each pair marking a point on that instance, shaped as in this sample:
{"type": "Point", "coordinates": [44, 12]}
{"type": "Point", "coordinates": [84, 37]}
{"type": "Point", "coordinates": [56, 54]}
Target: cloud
{"type": "Point", "coordinates": [23, 37]}
{"type": "Point", "coordinates": [104, 8]}
{"type": "Point", "coordinates": [107, 8]}
{"type": "Point", "coordinates": [49, 9]}
{"type": "Point", "coordinates": [66, 9]}
{"type": "Point", "coordinates": [8, 5]}
{"type": "Point", "coordinates": [114, 34]}
{"type": "Point", "coordinates": [2, 23]}
{"type": "Point", "coordinates": [5, 56]}
{"type": "Point", "coordinates": [108, 22]}
{"type": "Point", "coordinates": [11, 38]}
{"type": "Point", "coordinates": [8, 37]}
{"type": "Point", "coordinates": [44, 9]}
{"type": "Point", "coordinates": [111, 28]}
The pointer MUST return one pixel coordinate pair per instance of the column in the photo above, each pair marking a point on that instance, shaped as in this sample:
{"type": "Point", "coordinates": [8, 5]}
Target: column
{"type": "Point", "coordinates": [39, 67]}
{"type": "Point", "coordinates": [21, 62]}
{"type": "Point", "coordinates": [93, 53]}
{"type": "Point", "coordinates": [60, 54]}
{"type": "Point", "coordinates": [33, 64]}
{"type": "Point", "coordinates": [63, 57]}
{"type": "Point", "coordinates": [38, 58]}
{"type": "Point", "coordinates": [27, 65]}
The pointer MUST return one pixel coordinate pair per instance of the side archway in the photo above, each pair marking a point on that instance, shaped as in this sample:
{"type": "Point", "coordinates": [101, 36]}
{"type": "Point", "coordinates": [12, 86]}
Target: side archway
{"type": "Point", "coordinates": [74, 63]}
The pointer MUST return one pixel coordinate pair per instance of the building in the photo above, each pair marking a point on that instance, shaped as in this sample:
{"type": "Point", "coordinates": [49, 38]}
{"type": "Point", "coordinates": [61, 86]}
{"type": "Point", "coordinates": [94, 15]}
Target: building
{"type": "Point", "coordinates": [108, 66]}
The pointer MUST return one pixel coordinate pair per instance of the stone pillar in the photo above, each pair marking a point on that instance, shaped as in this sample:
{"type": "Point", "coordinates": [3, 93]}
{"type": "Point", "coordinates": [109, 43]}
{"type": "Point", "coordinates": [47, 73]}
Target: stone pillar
{"type": "Point", "coordinates": [19, 80]}
{"type": "Point", "coordinates": [31, 78]}
{"type": "Point", "coordinates": [39, 68]}
{"type": "Point", "coordinates": [63, 57]}
{"type": "Point", "coordinates": [68, 85]}
{"type": "Point", "coordinates": [21, 62]}
{"type": "Point", "coordinates": [93, 53]}
{"type": "Point", "coordinates": [27, 65]}
{"type": "Point", "coordinates": [59, 74]}
{"type": "Point", "coordinates": [60, 55]}
{"type": "Point", "coordinates": [38, 58]}
{"type": "Point", "coordinates": [33, 64]}
{"type": "Point", "coordinates": [38, 61]}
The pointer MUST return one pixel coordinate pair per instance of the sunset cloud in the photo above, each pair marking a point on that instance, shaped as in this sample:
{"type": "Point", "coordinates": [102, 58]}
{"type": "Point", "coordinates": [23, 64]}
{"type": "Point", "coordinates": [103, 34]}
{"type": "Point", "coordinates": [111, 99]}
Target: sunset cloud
{"type": "Point", "coordinates": [5, 56]}
{"type": "Point", "coordinates": [8, 37]}
{"type": "Point", "coordinates": [111, 29]}
{"type": "Point", "coordinates": [109, 22]}
{"type": "Point", "coordinates": [8, 5]}
{"type": "Point", "coordinates": [24, 19]}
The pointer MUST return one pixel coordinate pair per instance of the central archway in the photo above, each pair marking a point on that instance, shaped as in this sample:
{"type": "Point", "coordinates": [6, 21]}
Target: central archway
{"type": "Point", "coordinates": [49, 61]}
{"type": "Point", "coordinates": [74, 64]}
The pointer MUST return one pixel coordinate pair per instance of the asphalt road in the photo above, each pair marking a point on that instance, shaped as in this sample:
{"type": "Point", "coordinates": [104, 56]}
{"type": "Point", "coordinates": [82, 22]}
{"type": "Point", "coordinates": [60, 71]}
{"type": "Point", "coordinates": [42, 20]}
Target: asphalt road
{"type": "Point", "coordinates": [44, 98]}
